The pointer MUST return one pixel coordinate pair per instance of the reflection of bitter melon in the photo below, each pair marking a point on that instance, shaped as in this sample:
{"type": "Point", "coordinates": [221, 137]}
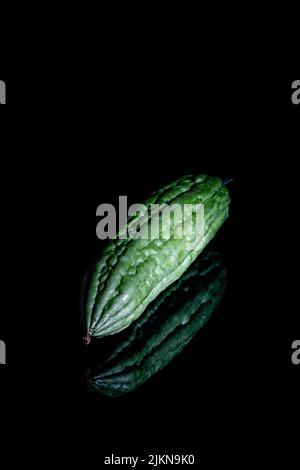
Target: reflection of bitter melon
{"type": "Point", "coordinates": [166, 327]}
{"type": "Point", "coordinates": [130, 273]}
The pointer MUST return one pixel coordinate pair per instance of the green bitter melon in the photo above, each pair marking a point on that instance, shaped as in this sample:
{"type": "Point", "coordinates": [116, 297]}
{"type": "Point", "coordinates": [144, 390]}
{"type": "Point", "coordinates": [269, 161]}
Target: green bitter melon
{"type": "Point", "coordinates": [131, 273]}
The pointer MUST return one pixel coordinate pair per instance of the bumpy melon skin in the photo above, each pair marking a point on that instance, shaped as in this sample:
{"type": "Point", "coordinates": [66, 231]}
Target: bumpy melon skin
{"type": "Point", "coordinates": [131, 273]}
{"type": "Point", "coordinates": [164, 330]}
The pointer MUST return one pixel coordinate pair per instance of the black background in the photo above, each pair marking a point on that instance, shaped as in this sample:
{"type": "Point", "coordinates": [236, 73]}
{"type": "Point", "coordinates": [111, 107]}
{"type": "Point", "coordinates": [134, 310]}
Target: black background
{"type": "Point", "coordinates": [232, 392]}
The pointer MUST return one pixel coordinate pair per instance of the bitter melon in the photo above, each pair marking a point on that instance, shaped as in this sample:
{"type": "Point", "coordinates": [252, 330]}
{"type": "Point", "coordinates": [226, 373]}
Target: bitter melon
{"type": "Point", "coordinates": [166, 327]}
{"type": "Point", "coordinates": [131, 273]}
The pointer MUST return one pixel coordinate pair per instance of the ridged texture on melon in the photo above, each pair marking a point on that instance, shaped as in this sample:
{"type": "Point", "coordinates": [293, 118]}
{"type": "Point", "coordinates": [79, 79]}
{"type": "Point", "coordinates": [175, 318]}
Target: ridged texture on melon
{"type": "Point", "coordinates": [131, 273]}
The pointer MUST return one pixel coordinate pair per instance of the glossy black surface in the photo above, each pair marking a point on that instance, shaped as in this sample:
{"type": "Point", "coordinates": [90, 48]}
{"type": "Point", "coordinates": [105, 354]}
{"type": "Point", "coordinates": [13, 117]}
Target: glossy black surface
{"type": "Point", "coordinates": [125, 361]}
{"type": "Point", "coordinates": [233, 391]}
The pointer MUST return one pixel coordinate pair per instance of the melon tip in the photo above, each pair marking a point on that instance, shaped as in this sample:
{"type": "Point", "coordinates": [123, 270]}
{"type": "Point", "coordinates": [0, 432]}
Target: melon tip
{"type": "Point", "coordinates": [87, 339]}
